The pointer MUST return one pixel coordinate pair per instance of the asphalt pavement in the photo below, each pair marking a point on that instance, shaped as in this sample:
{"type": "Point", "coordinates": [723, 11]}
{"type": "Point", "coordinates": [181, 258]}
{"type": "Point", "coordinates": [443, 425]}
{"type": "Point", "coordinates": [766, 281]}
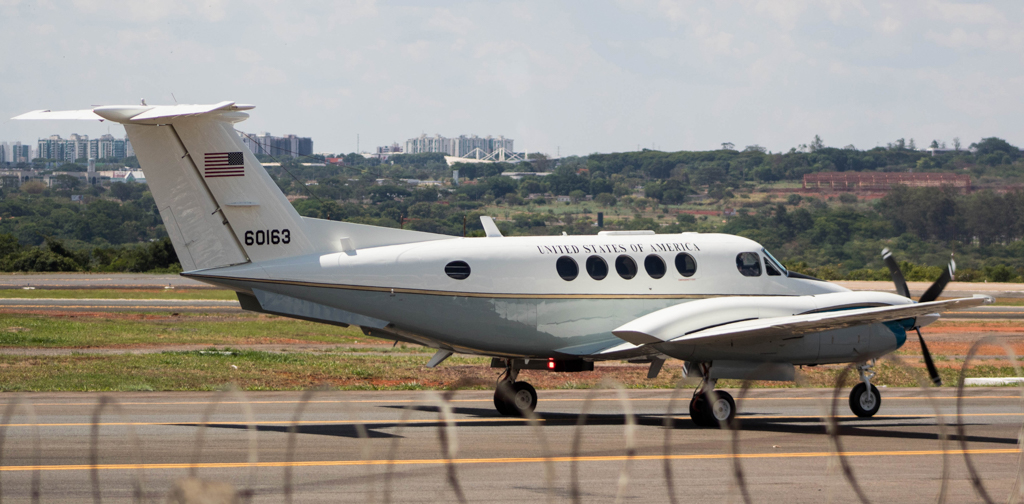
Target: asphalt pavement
{"type": "Point", "coordinates": [347, 443]}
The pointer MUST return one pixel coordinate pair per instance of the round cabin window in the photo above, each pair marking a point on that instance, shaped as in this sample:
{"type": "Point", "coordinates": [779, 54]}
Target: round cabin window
{"type": "Point", "coordinates": [567, 268]}
{"type": "Point", "coordinates": [597, 268]}
{"type": "Point", "coordinates": [458, 270]}
{"type": "Point", "coordinates": [685, 264]}
{"type": "Point", "coordinates": [625, 266]}
{"type": "Point", "coordinates": [655, 266]}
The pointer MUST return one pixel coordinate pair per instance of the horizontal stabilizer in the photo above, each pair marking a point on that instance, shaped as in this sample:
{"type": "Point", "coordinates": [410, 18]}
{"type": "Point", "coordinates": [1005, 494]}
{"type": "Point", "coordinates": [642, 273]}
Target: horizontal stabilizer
{"type": "Point", "coordinates": [139, 114]}
{"type": "Point", "coordinates": [60, 115]}
{"type": "Point", "coordinates": [796, 325]}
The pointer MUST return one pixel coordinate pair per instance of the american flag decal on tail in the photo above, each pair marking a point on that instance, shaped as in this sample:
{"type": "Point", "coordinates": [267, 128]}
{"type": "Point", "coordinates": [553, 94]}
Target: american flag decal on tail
{"type": "Point", "coordinates": [224, 164]}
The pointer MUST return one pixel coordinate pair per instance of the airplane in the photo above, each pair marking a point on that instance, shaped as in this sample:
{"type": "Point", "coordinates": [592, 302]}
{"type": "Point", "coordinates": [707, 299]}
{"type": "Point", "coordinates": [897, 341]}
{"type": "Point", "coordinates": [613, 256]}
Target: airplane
{"type": "Point", "coordinates": [721, 303]}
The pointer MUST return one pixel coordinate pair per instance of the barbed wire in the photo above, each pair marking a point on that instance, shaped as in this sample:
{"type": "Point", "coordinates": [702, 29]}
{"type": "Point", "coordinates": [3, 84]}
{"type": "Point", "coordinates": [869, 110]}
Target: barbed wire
{"type": "Point", "coordinates": [447, 426]}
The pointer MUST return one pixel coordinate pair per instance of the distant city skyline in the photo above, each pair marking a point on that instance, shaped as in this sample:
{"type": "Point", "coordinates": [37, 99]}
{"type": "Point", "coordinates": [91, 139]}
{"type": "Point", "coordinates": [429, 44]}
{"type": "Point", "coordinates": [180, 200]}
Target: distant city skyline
{"type": "Point", "coordinates": [573, 78]}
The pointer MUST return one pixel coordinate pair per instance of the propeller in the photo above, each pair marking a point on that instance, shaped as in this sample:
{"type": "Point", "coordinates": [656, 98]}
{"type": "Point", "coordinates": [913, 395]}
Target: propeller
{"type": "Point", "coordinates": [931, 294]}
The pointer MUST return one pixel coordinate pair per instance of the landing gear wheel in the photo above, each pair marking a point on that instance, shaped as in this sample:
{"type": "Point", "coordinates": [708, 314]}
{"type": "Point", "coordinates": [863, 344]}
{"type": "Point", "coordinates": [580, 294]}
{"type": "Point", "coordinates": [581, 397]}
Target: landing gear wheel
{"type": "Point", "coordinates": [512, 399]}
{"type": "Point", "coordinates": [524, 398]}
{"type": "Point", "coordinates": [499, 400]}
{"type": "Point", "coordinates": [864, 402]}
{"type": "Point", "coordinates": [720, 411]}
{"type": "Point", "coordinates": [697, 406]}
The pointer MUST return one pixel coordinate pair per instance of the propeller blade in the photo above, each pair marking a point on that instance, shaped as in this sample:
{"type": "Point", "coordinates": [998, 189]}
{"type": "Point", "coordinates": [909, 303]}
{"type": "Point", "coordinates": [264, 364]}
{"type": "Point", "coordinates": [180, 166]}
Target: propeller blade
{"type": "Point", "coordinates": [935, 290]}
{"type": "Point", "coordinates": [894, 271]}
{"type": "Point", "coordinates": [932, 372]}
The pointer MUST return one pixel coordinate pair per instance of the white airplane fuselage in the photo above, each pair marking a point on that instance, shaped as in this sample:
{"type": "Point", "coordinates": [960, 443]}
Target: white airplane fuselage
{"type": "Point", "coordinates": [719, 301]}
{"type": "Point", "coordinates": [514, 302]}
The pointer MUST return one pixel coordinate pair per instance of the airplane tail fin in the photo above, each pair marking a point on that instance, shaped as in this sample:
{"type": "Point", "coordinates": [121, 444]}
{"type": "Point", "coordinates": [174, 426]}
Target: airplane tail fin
{"type": "Point", "coordinates": [219, 205]}
{"type": "Point", "coordinates": [217, 201]}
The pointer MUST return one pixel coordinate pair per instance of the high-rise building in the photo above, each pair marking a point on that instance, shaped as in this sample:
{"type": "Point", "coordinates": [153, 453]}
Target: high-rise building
{"type": "Point", "coordinates": [77, 147]}
{"type": "Point", "coordinates": [288, 145]}
{"type": "Point", "coordinates": [52, 147]}
{"type": "Point", "coordinates": [17, 153]}
{"type": "Point", "coordinates": [80, 147]}
{"type": "Point", "coordinates": [106, 146]}
{"type": "Point", "coordinates": [459, 146]}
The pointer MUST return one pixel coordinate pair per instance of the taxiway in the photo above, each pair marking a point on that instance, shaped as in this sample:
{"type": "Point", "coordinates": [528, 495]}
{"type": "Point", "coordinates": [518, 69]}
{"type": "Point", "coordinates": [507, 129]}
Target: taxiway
{"type": "Point", "coordinates": [782, 451]}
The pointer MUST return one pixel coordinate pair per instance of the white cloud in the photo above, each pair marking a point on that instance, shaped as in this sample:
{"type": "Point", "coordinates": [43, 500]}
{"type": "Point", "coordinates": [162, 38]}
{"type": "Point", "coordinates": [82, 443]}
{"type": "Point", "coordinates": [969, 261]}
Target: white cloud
{"type": "Point", "coordinates": [889, 25]}
{"type": "Point", "coordinates": [585, 77]}
{"type": "Point", "coordinates": [970, 13]}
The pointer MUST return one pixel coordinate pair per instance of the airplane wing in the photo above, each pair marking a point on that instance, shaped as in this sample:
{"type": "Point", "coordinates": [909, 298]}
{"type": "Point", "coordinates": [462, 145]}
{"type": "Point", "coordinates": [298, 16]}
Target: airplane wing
{"type": "Point", "coordinates": [795, 325]}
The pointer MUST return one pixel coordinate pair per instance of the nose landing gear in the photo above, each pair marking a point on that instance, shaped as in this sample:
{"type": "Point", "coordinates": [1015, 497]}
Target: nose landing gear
{"type": "Point", "coordinates": [511, 397]}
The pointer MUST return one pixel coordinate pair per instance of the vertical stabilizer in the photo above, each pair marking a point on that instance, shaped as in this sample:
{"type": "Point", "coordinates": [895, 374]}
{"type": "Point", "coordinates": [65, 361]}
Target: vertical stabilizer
{"type": "Point", "coordinates": [200, 235]}
{"type": "Point", "coordinates": [224, 206]}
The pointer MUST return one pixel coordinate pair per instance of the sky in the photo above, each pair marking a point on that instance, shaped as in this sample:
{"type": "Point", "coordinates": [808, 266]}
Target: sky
{"type": "Point", "coordinates": [562, 78]}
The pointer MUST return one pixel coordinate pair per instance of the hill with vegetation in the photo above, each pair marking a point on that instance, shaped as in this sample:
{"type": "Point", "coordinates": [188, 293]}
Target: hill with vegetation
{"type": "Point", "coordinates": [750, 192]}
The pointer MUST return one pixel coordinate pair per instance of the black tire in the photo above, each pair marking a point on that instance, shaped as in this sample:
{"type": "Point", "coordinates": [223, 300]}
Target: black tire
{"type": "Point", "coordinates": [500, 395]}
{"type": "Point", "coordinates": [863, 403]}
{"type": "Point", "coordinates": [719, 410]}
{"type": "Point", "coordinates": [697, 406]}
{"type": "Point", "coordinates": [524, 397]}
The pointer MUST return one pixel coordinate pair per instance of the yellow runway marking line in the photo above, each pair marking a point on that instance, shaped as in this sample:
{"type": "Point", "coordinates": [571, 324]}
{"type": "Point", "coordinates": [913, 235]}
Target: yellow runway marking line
{"type": "Point", "coordinates": [487, 400]}
{"type": "Point", "coordinates": [436, 420]}
{"type": "Point", "coordinates": [275, 422]}
{"type": "Point", "coordinates": [913, 415]}
{"type": "Point", "coordinates": [516, 460]}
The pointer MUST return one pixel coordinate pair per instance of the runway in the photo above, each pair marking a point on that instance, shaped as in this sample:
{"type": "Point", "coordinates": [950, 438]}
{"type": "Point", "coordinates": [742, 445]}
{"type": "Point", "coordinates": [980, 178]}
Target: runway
{"type": "Point", "coordinates": [782, 451]}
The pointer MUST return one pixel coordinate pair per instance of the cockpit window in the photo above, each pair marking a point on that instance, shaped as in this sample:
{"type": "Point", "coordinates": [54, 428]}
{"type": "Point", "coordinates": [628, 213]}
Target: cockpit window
{"type": "Point", "coordinates": [749, 264]}
{"type": "Point", "coordinates": [770, 269]}
{"type": "Point", "coordinates": [770, 259]}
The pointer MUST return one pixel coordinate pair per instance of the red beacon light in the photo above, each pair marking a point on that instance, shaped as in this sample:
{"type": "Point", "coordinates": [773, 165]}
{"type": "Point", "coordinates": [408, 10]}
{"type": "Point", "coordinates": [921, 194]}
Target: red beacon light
{"type": "Point", "coordinates": [551, 364]}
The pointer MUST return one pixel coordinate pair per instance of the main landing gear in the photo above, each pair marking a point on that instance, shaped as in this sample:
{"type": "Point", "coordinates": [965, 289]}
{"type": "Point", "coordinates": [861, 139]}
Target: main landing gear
{"type": "Point", "coordinates": [511, 397]}
{"type": "Point", "coordinates": [864, 398]}
{"type": "Point", "coordinates": [710, 408]}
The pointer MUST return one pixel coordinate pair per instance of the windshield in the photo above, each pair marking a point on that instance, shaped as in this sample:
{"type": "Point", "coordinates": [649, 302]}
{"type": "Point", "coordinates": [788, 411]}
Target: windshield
{"type": "Point", "coordinates": [775, 261]}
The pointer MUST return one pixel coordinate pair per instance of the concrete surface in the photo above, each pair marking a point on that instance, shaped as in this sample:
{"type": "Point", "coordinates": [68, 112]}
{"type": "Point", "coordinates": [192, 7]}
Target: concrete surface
{"type": "Point", "coordinates": [782, 449]}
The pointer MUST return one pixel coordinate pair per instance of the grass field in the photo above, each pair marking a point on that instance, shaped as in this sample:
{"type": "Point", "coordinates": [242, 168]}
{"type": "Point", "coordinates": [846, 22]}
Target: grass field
{"type": "Point", "coordinates": [349, 360]}
{"type": "Point", "coordinates": [191, 294]}
{"type": "Point", "coordinates": [112, 330]}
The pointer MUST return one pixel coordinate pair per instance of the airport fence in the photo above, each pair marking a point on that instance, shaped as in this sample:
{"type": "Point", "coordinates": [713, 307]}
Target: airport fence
{"type": "Point", "coordinates": [952, 439]}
